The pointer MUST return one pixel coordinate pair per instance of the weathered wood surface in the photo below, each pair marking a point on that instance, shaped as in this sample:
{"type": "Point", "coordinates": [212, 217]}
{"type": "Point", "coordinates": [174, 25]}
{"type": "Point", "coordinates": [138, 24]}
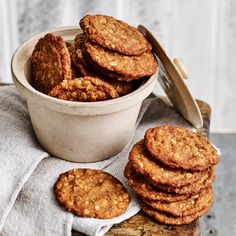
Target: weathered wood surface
{"type": "Point", "coordinates": [143, 225]}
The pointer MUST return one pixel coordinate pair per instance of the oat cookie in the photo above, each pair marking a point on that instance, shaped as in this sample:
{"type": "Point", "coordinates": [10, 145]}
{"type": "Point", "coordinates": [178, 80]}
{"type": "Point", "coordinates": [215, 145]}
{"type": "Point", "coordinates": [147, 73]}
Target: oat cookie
{"type": "Point", "coordinates": [78, 61]}
{"type": "Point", "coordinates": [91, 193]}
{"type": "Point", "coordinates": [142, 162]}
{"type": "Point", "coordinates": [74, 71]}
{"type": "Point", "coordinates": [86, 89]}
{"type": "Point", "coordinates": [127, 66]}
{"type": "Point", "coordinates": [83, 67]}
{"type": "Point", "coordinates": [110, 74]}
{"type": "Point", "coordinates": [69, 46]}
{"type": "Point", "coordinates": [82, 59]}
{"type": "Point", "coordinates": [84, 64]}
{"type": "Point", "coordinates": [169, 219]}
{"type": "Point", "coordinates": [180, 148]}
{"type": "Point", "coordinates": [80, 40]}
{"type": "Point", "coordinates": [114, 34]}
{"type": "Point", "coordinates": [204, 182]}
{"type": "Point", "coordinates": [186, 207]}
{"type": "Point", "coordinates": [50, 63]}
{"type": "Point", "coordinates": [145, 190]}
{"type": "Point", "coordinates": [121, 87]}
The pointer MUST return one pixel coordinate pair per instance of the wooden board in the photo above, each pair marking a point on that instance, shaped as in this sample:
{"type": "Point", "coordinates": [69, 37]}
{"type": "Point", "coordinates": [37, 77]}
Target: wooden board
{"type": "Point", "coordinates": [141, 224]}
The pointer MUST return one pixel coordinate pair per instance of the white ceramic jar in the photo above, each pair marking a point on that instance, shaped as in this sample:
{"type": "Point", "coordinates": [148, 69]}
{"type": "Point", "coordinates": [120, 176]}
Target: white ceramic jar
{"type": "Point", "coordinates": [77, 131]}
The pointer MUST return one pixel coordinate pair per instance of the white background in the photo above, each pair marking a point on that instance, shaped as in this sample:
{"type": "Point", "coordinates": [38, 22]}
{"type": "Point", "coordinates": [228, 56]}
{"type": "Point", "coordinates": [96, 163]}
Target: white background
{"type": "Point", "coordinates": [200, 32]}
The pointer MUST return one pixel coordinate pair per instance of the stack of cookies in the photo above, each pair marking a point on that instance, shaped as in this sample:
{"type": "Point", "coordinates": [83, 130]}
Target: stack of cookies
{"type": "Point", "coordinates": [108, 60]}
{"type": "Point", "coordinates": [172, 170]}
{"type": "Point", "coordinates": [114, 49]}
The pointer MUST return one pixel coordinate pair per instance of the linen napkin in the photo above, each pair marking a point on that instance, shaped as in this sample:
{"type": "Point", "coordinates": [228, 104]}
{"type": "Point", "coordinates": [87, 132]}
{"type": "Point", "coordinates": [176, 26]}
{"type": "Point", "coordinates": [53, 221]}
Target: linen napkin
{"type": "Point", "coordinates": [35, 211]}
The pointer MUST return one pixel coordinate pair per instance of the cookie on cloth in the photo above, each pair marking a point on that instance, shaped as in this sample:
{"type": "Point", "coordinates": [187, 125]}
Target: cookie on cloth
{"type": "Point", "coordinates": [91, 193]}
{"type": "Point", "coordinates": [142, 161]}
{"type": "Point", "coordinates": [86, 89]}
{"type": "Point", "coordinates": [204, 182]}
{"type": "Point", "coordinates": [145, 190]}
{"type": "Point", "coordinates": [186, 207]}
{"type": "Point", "coordinates": [114, 34]}
{"type": "Point", "coordinates": [50, 63]}
{"type": "Point", "coordinates": [181, 148]}
{"type": "Point", "coordinates": [127, 66]}
{"type": "Point", "coordinates": [168, 218]}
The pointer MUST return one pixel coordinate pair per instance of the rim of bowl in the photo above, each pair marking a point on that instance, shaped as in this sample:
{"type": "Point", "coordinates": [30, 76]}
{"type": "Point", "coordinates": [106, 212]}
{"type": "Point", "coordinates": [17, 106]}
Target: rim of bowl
{"type": "Point", "coordinates": [20, 78]}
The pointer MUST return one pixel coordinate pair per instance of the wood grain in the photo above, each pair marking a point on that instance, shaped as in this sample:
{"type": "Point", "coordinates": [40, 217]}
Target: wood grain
{"type": "Point", "coordinates": [143, 225]}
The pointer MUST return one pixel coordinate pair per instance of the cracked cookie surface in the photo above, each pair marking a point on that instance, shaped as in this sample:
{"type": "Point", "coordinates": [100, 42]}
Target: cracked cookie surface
{"type": "Point", "coordinates": [128, 66]}
{"type": "Point", "coordinates": [114, 34]}
{"type": "Point", "coordinates": [155, 172]}
{"type": "Point", "coordinates": [180, 148]}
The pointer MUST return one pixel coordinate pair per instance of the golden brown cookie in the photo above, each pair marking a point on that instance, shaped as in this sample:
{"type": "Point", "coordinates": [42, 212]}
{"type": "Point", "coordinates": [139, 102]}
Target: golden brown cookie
{"type": "Point", "coordinates": [140, 185]}
{"type": "Point", "coordinates": [168, 218]}
{"type": "Point", "coordinates": [114, 34]}
{"type": "Point", "coordinates": [110, 74]}
{"type": "Point", "coordinates": [74, 71]}
{"type": "Point", "coordinates": [91, 193]}
{"type": "Point", "coordinates": [127, 66]}
{"type": "Point", "coordinates": [83, 67]}
{"type": "Point", "coordinates": [50, 63]}
{"type": "Point", "coordinates": [180, 148]}
{"type": "Point", "coordinates": [185, 207]}
{"type": "Point", "coordinates": [87, 66]}
{"type": "Point", "coordinates": [80, 40]}
{"type": "Point", "coordinates": [86, 89]}
{"type": "Point", "coordinates": [121, 87]}
{"type": "Point", "coordinates": [78, 61]}
{"type": "Point", "coordinates": [142, 162]}
{"type": "Point", "coordinates": [204, 182]}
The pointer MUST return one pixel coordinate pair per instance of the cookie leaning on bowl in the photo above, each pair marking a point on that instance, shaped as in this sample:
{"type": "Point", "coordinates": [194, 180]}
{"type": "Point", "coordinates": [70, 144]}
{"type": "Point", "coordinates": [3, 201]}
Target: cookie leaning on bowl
{"type": "Point", "coordinates": [169, 194]}
{"type": "Point", "coordinates": [50, 63]}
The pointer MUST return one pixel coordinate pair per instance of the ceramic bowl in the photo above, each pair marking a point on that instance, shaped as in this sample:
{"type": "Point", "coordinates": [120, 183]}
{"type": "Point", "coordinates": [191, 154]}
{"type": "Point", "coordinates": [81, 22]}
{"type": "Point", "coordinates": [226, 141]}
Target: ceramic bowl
{"type": "Point", "coordinates": [77, 131]}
